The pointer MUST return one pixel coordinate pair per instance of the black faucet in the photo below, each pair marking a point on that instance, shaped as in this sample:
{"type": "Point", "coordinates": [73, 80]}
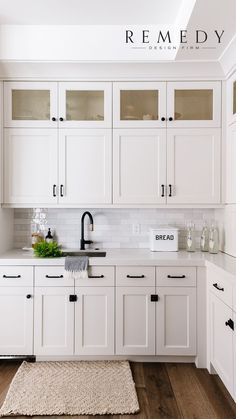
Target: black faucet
{"type": "Point", "coordinates": [83, 242]}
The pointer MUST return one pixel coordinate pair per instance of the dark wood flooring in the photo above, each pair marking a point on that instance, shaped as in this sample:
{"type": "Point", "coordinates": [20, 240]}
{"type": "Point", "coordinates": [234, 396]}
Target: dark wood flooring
{"type": "Point", "coordinates": [164, 391]}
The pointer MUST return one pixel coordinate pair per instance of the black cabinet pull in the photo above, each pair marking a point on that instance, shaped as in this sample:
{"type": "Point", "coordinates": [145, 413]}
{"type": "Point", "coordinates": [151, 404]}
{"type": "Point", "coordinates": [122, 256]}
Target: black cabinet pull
{"type": "Point", "coordinates": [154, 297]}
{"type": "Point", "coordinates": [11, 276]}
{"type": "Point", "coordinates": [54, 276]}
{"type": "Point", "coordinates": [230, 323]}
{"type": "Point", "coordinates": [95, 276]}
{"type": "Point", "coordinates": [72, 298]}
{"type": "Point", "coordinates": [135, 276]}
{"type": "Point", "coordinates": [61, 119]}
{"type": "Point", "coordinates": [217, 287]}
{"type": "Point", "coordinates": [176, 276]}
{"type": "Point", "coordinates": [170, 190]}
{"type": "Point", "coordinates": [54, 191]}
{"type": "Point", "coordinates": [170, 118]}
{"type": "Point", "coordinates": [162, 190]}
{"type": "Point", "coordinates": [163, 118]}
{"type": "Point", "coordinates": [54, 119]}
{"type": "Point", "coordinates": [28, 296]}
{"type": "Point", "coordinates": [61, 190]}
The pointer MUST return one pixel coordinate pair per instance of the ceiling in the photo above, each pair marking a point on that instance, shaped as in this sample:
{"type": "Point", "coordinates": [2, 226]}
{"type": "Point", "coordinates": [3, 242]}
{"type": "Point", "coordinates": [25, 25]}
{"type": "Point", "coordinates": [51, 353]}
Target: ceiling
{"type": "Point", "coordinates": [206, 15]}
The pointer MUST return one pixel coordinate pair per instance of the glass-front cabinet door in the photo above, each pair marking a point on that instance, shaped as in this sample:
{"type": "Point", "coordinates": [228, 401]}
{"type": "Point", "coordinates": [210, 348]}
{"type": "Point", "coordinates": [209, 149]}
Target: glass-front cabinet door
{"type": "Point", "coordinates": [231, 99]}
{"type": "Point", "coordinates": [85, 105]}
{"type": "Point", "coordinates": [30, 104]}
{"type": "Point", "coordinates": [193, 104]}
{"type": "Point", "coordinates": [139, 104]}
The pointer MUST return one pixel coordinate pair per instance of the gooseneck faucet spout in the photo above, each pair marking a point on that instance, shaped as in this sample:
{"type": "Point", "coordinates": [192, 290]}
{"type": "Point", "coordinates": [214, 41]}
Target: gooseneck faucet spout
{"type": "Point", "coordinates": [83, 242]}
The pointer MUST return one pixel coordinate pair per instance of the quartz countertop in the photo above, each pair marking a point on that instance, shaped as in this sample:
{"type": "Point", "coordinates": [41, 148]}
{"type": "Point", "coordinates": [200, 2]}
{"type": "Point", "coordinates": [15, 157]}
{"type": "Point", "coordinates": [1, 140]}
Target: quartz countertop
{"type": "Point", "coordinates": [119, 257]}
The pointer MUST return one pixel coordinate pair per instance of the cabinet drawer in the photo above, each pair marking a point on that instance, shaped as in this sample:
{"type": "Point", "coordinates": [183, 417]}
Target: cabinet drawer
{"type": "Point", "coordinates": [16, 276]}
{"type": "Point", "coordinates": [176, 276]}
{"type": "Point", "coordinates": [49, 276]}
{"type": "Point", "coordinates": [135, 276]}
{"type": "Point", "coordinates": [98, 275]}
{"type": "Point", "coordinates": [221, 287]}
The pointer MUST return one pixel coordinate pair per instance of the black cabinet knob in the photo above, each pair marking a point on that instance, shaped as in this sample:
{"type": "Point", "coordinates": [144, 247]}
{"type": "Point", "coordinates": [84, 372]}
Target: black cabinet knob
{"type": "Point", "coordinates": [28, 296]}
{"type": "Point", "coordinates": [170, 118]}
{"type": "Point", "coordinates": [163, 118]}
{"type": "Point", "coordinates": [61, 119]}
{"type": "Point", "coordinates": [54, 119]}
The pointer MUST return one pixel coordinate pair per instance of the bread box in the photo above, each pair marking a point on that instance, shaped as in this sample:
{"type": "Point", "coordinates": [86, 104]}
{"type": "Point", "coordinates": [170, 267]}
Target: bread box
{"type": "Point", "coordinates": [164, 239]}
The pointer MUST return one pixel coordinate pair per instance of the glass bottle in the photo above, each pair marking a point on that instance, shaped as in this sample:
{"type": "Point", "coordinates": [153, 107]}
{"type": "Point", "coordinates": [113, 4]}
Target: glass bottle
{"type": "Point", "coordinates": [204, 242]}
{"type": "Point", "coordinates": [213, 239]}
{"type": "Point", "coordinates": [190, 238]}
{"type": "Point", "coordinates": [49, 236]}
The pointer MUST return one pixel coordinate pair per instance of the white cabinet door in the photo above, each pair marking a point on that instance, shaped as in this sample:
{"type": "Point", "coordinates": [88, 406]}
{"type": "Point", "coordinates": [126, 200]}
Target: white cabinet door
{"type": "Point", "coordinates": [30, 166]}
{"type": "Point", "coordinates": [139, 104]}
{"type": "Point", "coordinates": [139, 164]}
{"type": "Point", "coordinates": [135, 321]}
{"type": "Point", "coordinates": [176, 321]}
{"type": "Point", "coordinates": [194, 166]}
{"type": "Point", "coordinates": [85, 105]}
{"type": "Point", "coordinates": [94, 321]}
{"type": "Point", "coordinates": [221, 341]}
{"type": "Point", "coordinates": [30, 104]}
{"type": "Point", "coordinates": [231, 166]}
{"type": "Point", "coordinates": [54, 321]}
{"type": "Point", "coordinates": [16, 321]}
{"type": "Point", "coordinates": [193, 104]}
{"type": "Point", "coordinates": [85, 158]}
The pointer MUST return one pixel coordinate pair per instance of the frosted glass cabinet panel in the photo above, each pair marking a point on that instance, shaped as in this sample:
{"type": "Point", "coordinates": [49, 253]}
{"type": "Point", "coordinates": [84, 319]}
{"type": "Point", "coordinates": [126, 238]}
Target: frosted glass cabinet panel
{"type": "Point", "coordinates": [30, 104]}
{"type": "Point", "coordinates": [85, 105]}
{"type": "Point", "coordinates": [139, 104]}
{"type": "Point", "coordinates": [193, 104]}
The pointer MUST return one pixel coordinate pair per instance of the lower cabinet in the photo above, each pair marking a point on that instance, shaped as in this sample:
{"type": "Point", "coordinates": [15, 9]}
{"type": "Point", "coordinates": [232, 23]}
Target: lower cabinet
{"type": "Point", "coordinates": [16, 321]}
{"type": "Point", "coordinates": [176, 321]}
{"type": "Point", "coordinates": [135, 321]}
{"type": "Point", "coordinates": [221, 340]}
{"type": "Point", "coordinates": [54, 321]}
{"type": "Point", "coordinates": [94, 321]}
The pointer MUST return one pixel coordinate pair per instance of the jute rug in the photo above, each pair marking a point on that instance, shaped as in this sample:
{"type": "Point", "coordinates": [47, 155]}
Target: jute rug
{"type": "Point", "coordinates": [71, 388]}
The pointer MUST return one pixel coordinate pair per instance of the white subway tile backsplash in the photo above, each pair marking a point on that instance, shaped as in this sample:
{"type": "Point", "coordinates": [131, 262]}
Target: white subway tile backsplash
{"type": "Point", "coordinates": [113, 228]}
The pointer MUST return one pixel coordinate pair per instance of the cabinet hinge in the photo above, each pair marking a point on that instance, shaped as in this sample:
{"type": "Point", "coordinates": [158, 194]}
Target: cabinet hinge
{"type": "Point", "coordinates": [154, 297]}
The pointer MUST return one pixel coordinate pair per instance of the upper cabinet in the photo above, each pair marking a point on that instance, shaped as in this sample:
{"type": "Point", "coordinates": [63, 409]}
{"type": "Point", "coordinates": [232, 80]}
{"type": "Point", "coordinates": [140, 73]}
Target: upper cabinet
{"type": "Point", "coordinates": [193, 104]}
{"type": "Point", "coordinates": [85, 105]}
{"type": "Point", "coordinates": [172, 104]}
{"type": "Point", "coordinates": [67, 105]}
{"type": "Point", "coordinates": [30, 104]}
{"type": "Point", "coordinates": [139, 104]}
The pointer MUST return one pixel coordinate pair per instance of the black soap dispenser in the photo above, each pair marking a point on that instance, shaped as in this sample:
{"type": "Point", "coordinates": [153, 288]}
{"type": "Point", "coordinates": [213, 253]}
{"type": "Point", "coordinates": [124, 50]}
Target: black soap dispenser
{"type": "Point", "coordinates": [49, 237]}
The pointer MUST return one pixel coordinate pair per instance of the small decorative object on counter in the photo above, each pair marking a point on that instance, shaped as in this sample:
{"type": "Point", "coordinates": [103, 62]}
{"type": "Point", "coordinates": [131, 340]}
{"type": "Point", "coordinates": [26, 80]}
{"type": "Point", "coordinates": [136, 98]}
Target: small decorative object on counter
{"type": "Point", "coordinates": [204, 243]}
{"type": "Point", "coordinates": [213, 239]}
{"type": "Point", "coordinates": [43, 249]}
{"type": "Point", "coordinates": [49, 237]}
{"type": "Point", "coordinates": [190, 238]}
{"type": "Point", "coordinates": [164, 239]}
{"type": "Point", "coordinates": [36, 234]}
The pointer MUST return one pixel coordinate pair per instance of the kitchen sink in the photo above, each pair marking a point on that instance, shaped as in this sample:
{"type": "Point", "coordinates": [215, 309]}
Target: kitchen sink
{"type": "Point", "coordinates": [89, 253]}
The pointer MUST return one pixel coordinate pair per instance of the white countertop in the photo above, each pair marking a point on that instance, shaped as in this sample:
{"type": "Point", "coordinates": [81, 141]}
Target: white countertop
{"type": "Point", "coordinates": [129, 257]}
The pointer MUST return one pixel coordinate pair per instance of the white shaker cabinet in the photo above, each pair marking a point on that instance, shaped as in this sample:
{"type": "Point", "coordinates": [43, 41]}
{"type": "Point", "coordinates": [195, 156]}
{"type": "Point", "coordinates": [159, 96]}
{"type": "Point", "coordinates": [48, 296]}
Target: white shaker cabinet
{"type": "Point", "coordinates": [16, 320]}
{"type": "Point", "coordinates": [139, 166]}
{"type": "Point", "coordinates": [30, 166]}
{"type": "Point", "coordinates": [94, 321]}
{"type": "Point", "coordinates": [221, 340]}
{"type": "Point", "coordinates": [30, 104]}
{"type": "Point", "coordinates": [193, 166]}
{"type": "Point", "coordinates": [54, 321]}
{"type": "Point", "coordinates": [135, 321]}
{"type": "Point", "coordinates": [176, 321]}
{"type": "Point", "coordinates": [85, 172]}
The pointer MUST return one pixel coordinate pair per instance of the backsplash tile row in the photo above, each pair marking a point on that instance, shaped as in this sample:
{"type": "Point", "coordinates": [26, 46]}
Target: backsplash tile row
{"type": "Point", "coordinates": [113, 228]}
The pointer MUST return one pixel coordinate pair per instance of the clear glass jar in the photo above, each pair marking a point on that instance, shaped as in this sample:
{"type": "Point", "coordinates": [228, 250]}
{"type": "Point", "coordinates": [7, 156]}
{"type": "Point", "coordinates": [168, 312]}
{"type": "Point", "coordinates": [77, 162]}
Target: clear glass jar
{"type": "Point", "coordinates": [190, 238]}
{"type": "Point", "coordinates": [204, 241]}
{"type": "Point", "coordinates": [213, 239]}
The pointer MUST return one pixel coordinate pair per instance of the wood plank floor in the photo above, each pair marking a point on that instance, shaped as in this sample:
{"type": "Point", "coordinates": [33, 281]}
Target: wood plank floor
{"type": "Point", "coordinates": [164, 391]}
